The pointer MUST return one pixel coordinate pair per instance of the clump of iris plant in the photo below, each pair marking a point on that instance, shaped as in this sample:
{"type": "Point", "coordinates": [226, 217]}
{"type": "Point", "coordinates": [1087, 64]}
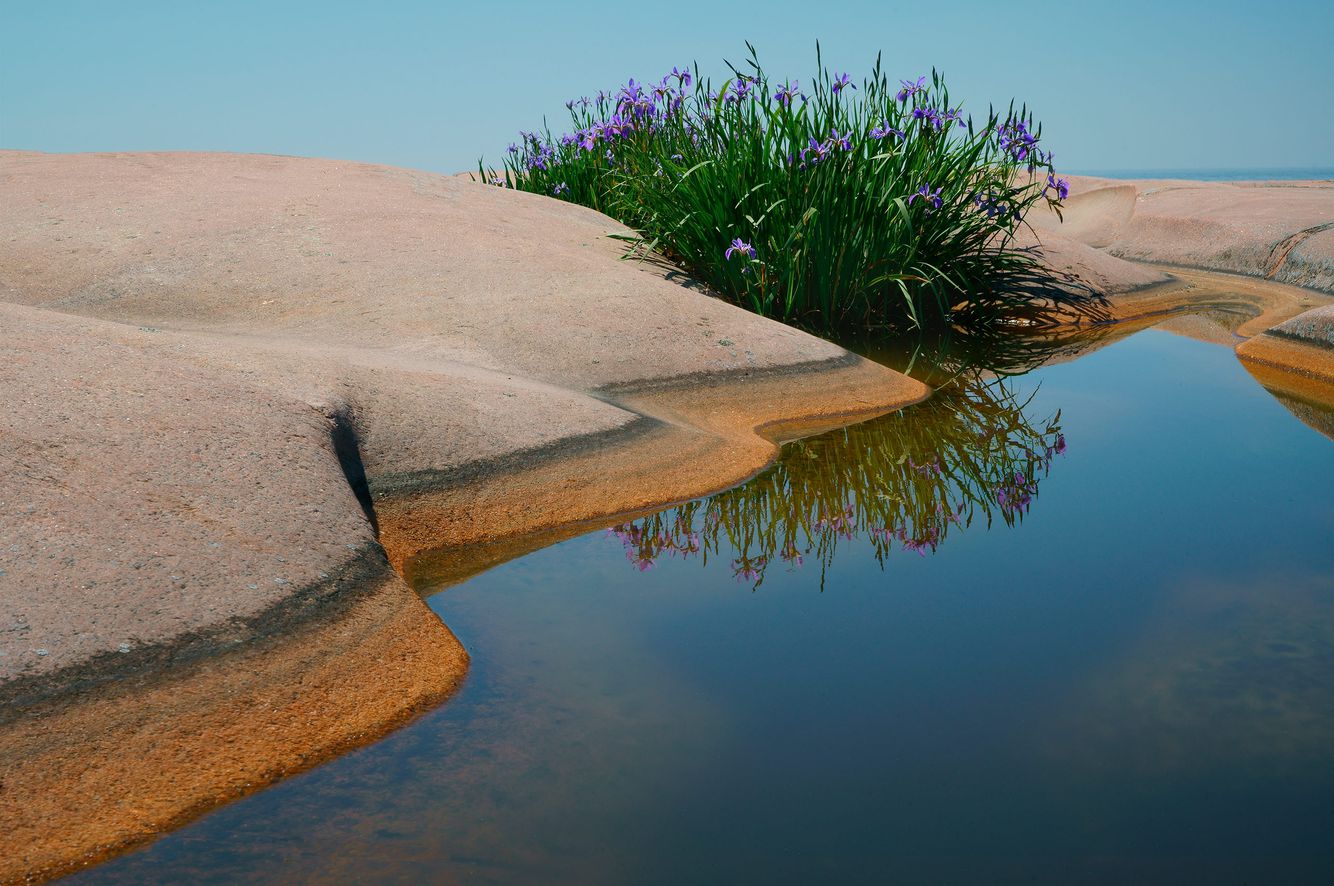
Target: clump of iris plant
{"type": "Point", "coordinates": [830, 203]}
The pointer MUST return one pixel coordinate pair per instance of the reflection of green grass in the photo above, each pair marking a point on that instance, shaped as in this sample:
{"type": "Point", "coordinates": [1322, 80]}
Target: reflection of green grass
{"type": "Point", "coordinates": [905, 479]}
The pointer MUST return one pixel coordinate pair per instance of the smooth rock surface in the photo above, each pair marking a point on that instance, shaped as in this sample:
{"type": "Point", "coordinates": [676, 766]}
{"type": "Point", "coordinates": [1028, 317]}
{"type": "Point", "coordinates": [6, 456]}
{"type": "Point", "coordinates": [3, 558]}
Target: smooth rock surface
{"type": "Point", "coordinates": [1280, 230]}
{"type": "Point", "coordinates": [195, 339]}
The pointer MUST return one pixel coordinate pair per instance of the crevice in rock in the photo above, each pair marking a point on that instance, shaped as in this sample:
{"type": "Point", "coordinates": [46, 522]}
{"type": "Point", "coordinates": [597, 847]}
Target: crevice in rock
{"type": "Point", "coordinates": [343, 435]}
{"type": "Point", "coordinates": [1278, 256]}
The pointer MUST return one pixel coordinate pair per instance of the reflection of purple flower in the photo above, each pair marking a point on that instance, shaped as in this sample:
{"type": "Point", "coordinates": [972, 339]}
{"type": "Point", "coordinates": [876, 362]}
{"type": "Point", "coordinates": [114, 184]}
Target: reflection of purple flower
{"type": "Point", "coordinates": [1017, 498]}
{"type": "Point", "coordinates": [928, 540]}
{"type": "Point", "coordinates": [844, 523]}
{"type": "Point", "coordinates": [748, 568]}
{"type": "Point", "coordinates": [933, 466]}
{"type": "Point", "coordinates": [843, 81]}
{"type": "Point", "coordinates": [1059, 448]}
{"type": "Point", "coordinates": [739, 247]}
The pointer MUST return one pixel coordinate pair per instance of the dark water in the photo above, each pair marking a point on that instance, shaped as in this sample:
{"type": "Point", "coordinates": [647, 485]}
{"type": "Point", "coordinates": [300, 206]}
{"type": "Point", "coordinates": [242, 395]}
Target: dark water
{"type": "Point", "coordinates": [972, 642]}
{"type": "Point", "coordinates": [1257, 173]}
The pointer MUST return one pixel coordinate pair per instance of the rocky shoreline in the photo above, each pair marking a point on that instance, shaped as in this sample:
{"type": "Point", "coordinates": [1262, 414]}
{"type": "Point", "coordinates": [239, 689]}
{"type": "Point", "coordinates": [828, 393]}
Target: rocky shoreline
{"type": "Point", "coordinates": [249, 396]}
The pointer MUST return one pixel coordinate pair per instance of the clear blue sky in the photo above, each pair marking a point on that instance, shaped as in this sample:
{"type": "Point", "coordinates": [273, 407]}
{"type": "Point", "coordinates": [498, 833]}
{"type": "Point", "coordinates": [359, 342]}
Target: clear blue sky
{"type": "Point", "coordinates": [433, 85]}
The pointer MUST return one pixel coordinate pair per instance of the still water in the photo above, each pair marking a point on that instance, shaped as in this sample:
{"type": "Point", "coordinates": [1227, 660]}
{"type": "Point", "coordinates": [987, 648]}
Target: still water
{"type": "Point", "coordinates": [1074, 625]}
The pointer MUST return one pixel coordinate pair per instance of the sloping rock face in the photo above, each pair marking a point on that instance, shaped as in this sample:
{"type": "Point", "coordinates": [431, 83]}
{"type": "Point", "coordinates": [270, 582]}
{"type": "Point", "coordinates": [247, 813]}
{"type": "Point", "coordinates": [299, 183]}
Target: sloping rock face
{"type": "Point", "coordinates": [1278, 232]}
{"type": "Point", "coordinates": [249, 329]}
{"type": "Point", "coordinates": [234, 385]}
{"type": "Point", "coordinates": [1282, 231]}
{"type": "Point", "coordinates": [1314, 327]}
{"type": "Point", "coordinates": [1296, 358]}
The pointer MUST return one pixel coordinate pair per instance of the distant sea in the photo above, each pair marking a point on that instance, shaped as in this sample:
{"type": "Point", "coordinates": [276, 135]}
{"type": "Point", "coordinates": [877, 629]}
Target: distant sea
{"type": "Point", "coordinates": [1258, 173]}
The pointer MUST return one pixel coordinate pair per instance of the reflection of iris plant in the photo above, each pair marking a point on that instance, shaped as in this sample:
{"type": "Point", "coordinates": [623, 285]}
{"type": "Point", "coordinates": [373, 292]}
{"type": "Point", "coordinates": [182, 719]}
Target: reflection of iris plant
{"type": "Point", "coordinates": [826, 185]}
{"type": "Point", "coordinates": [902, 481]}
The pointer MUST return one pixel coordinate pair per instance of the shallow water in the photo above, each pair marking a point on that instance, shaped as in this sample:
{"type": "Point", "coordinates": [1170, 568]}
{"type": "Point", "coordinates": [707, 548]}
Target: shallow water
{"type": "Point", "coordinates": [1116, 666]}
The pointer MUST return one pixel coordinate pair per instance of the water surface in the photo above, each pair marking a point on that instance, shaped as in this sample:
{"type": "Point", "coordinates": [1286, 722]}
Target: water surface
{"type": "Point", "coordinates": [1074, 625]}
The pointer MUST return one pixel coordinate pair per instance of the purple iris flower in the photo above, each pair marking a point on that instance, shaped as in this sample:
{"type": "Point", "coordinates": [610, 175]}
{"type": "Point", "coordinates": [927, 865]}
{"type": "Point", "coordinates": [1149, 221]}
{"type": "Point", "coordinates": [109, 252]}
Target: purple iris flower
{"type": "Point", "coordinates": [633, 103]}
{"type": "Point", "coordinates": [1060, 185]}
{"type": "Point", "coordinates": [739, 247]}
{"type": "Point", "coordinates": [1016, 140]}
{"type": "Point", "coordinates": [682, 76]}
{"type": "Point", "coordinates": [631, 92]}
{"type": "Point", "coordinates": [816, 152]}
{"type": "Point", "coordinates": [559, 189]}
{"type": "Point", "coordinates": [930, 196]}
{"type": "Point", "coordinates": [843, 81]}
{"type": "Point", "coordinates": [741, 88]}
{"type": "Point", "coordinates": [843, 141]}
{"type": "Point", "coordinates": [786, 92]}
{"type": "Point", "coordinates": [936, 118]}
{"type": "Point", "coordinates": [884, 130]}
{"type": "Point", "coordinates": [911, 88]}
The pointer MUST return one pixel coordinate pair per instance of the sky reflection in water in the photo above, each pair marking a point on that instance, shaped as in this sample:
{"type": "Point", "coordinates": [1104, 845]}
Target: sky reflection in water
{"type": "Point", "coordinates": [1129, 680]}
